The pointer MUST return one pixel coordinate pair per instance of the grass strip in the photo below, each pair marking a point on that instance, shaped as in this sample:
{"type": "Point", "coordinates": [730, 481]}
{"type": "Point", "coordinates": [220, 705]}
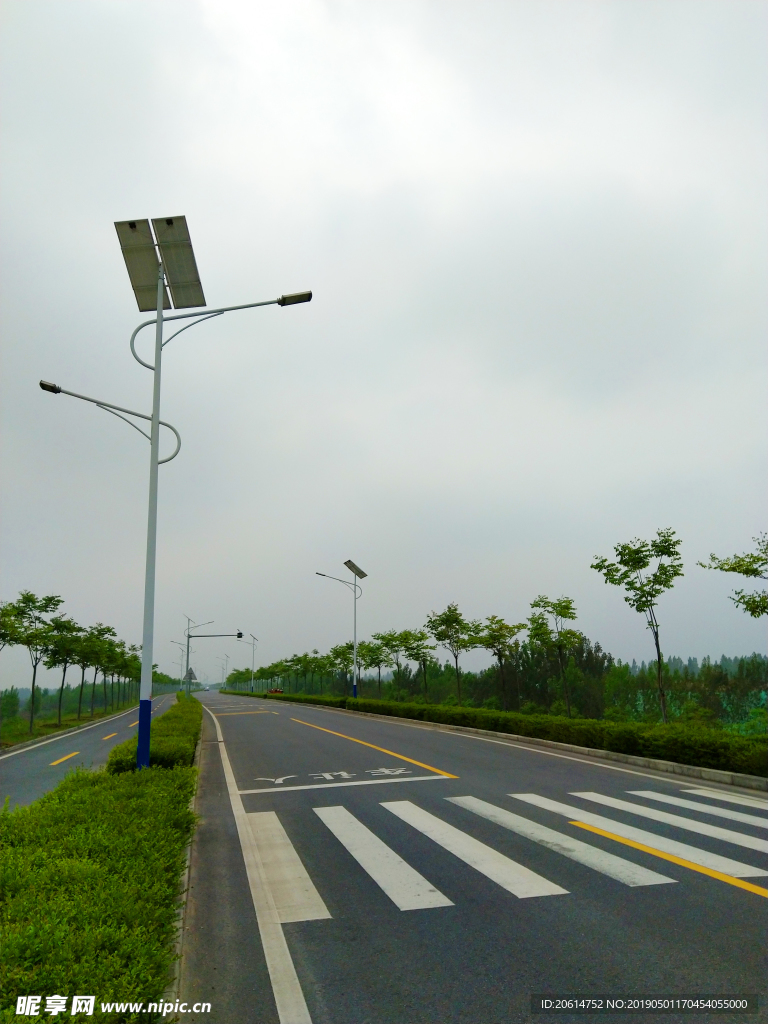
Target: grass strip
{"type": "Point", "coordinates": [89, 883]}
{"type": "Point", "coordinates": [16, 730]}
{"type": "Point", "coordinates": [172, 743]}
{"type": "Point", "coordinates": [682, 744]}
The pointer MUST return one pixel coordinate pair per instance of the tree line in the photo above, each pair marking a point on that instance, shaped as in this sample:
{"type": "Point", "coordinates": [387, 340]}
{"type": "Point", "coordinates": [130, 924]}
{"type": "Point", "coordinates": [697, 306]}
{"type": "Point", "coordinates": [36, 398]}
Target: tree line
{"type": "Point", "coordinates": [55, 640]}
{"type": "Point", "coordinates": [554, 667]}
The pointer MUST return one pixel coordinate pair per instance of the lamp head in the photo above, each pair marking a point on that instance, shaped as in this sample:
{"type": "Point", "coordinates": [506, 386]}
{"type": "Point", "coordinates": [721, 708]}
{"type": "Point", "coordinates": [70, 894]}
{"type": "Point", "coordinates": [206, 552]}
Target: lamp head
{"type": "Point", "coordinates": [291, 300]}
{"type": "Point", "coordinates": [53, 388]}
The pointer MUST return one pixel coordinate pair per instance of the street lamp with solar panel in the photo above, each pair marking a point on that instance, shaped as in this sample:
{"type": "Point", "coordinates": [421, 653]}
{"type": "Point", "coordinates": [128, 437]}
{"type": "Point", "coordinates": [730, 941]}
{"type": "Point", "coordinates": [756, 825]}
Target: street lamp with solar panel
{"type": "Point", "coordinates": [160, 260]}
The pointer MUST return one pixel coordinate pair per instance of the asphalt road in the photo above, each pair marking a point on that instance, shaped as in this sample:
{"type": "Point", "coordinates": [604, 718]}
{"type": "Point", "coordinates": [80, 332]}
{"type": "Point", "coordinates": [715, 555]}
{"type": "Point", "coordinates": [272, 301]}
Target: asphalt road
{"type": "Point", "coordinates": [26, 774]}
{"type": "Point", "coordinates": [352, 870]}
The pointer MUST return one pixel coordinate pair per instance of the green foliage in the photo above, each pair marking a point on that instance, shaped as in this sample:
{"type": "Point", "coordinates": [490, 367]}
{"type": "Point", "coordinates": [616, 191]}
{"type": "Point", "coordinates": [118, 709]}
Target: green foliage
{"type": "Point", "coordinates": [754, 565]}
{"type": "Point", "coordinates": [90, 876]}
{"type": "Point", "coordinates": [173, 738]}
{"type": "Point", "coordinates": [643, 588]}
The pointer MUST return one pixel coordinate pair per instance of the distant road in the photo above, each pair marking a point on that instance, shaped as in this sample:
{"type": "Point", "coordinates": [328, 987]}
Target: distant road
{"type": "Point", "coordinates": [352, 870]}
{"type": "Point", "coordinates": [26, 774]}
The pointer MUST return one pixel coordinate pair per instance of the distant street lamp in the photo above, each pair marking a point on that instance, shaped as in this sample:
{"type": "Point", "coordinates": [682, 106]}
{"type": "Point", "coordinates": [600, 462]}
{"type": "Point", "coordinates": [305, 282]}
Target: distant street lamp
{"type": "Point", "coordinates": [252, 644]}
{"type": "Point", "coordinates": [188, 634]}
{"type": "Point", "coordinates": [156, 256]}
{"type": "Point", "coordinates": [357, 574]}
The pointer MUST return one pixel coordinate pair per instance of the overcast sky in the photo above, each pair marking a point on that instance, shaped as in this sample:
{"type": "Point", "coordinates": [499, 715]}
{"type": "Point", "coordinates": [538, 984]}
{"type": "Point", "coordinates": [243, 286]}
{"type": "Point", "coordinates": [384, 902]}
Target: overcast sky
{"type": "Point", "coordinates": [536, 236]}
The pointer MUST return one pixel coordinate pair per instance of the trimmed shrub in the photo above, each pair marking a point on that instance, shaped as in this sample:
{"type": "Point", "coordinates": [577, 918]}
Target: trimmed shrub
{"type": "Point", "coordinates": [684, 744]}
{"type": "Point", "coordinates": [172, 743]}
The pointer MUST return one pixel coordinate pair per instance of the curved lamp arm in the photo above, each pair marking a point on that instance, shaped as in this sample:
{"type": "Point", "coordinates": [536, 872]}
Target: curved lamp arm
{"type": "Point", "coordinates": [346, 583]}
{"type": "Point", "coordinates": [284, 300]}
{"type": "Point", "coordinates": [116, 410]}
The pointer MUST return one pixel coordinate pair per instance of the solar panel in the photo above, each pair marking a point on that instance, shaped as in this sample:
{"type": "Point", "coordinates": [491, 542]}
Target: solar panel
{"type": "Point", "coordinates": [178, 259]}
{"type": "Point", "coordinates": [141, 261]}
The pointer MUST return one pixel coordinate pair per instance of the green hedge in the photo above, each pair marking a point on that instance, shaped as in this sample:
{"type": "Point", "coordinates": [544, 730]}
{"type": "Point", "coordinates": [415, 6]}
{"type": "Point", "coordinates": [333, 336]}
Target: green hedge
{"type": "Point", "coordinates": [683, 744]}
{"type": "Point", "coordinates": [298, 698]}
{"type": "Point", "coordinates": [173, 738]}
{"type": "Point", "coordinates": [90, 883]}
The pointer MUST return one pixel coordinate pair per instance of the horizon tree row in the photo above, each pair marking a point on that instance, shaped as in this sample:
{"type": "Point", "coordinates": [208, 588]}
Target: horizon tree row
{"type": "Point", "coordinates": [56, 641]}
{"type": "Point", "coordinates": [555, 656]}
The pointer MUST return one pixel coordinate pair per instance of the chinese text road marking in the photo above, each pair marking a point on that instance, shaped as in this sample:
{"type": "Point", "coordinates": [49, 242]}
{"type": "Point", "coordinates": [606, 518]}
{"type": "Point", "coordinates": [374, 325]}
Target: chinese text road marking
{"type": "Point", "coordinates": [401, 757]}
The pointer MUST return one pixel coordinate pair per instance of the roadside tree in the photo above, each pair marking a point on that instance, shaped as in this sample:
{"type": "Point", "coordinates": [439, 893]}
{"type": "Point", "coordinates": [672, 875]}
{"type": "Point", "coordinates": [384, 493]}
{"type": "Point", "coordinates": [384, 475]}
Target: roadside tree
{"type": "Point", "coordinates": [455, 633]}
{"type": "Point", "coordinates": [631, 570]}
{"type": "Point", "coordinates": [753, 564]}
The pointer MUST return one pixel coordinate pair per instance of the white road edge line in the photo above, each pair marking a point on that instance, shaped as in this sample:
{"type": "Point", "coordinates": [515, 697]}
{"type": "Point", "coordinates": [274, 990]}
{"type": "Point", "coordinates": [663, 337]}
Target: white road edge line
{"type": "Point", "coordinates": [407, 889]}
{"type": "Point", "coordinates": [337, 785]}
{"type": "Point", "coordinates": [65, 733]}
{"type": "Point", "coordinates": [674, 846]}
{"type": "Point", "coordinates": [289, 999]}
{"type": "Point", "coordinates": [514, 877]}
{"type": "Point", "coordinates": [621, 870]}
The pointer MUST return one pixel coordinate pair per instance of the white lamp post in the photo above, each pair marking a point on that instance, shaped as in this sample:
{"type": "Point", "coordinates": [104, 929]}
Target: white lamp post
{"type": "Point", "coordinates": [357, 590]}
{"type": "Point", "coordinates": [156, 256]}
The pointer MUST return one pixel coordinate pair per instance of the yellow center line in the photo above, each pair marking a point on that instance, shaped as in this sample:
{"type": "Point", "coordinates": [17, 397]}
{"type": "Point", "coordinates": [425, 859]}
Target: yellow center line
{"type": "Point", "coordinates": [675, 860]}
{"type": "Point", "coordinates": [224, 714]}
{"type": "Point", "coordinates": [373, 745]}
{"type": "Point", "coordinates": [132, 725]}
{"type": "Point", "coordinates": [64, 758]}
{"type": "Point", "coordinates": [110, 736]}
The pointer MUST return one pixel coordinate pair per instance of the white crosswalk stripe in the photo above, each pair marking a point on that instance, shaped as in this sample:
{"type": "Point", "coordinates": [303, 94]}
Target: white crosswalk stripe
{"type": "Point", "coordinates": [295, 896]}
{"type": "Point", "coordinates": [759, 803]}
{"type": "Point", "coordinates": [683, 850]}
{"type": "Point", "coordinates": [590, 856]}
{"type": "Point", "coordinates": [407, 889]}
{"type": "Point", "coordinates": [702, 828]}
{"type": "Point", "coordinates": [694, 805]}
{"type": "Point", "coordinates": [510, 875]}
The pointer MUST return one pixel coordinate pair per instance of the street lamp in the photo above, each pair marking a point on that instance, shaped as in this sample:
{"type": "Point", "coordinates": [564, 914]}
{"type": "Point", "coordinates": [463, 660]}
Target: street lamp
{"type": "Point", "coordinates": [357, 574]}
{"type": "Point", "coordinates": [159, 258]}
{"type": "Point", "coordinates": [188, 634]}
{"type": "Point", "coordinates": [252, 644]}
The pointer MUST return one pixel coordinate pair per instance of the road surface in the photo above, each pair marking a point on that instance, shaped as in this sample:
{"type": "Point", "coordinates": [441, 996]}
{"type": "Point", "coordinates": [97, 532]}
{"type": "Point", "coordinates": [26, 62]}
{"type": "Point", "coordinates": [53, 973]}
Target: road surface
{"type": "Point", "coordinates": [27, 773]}
{"type": "Point", "coordinates": [352, 870]}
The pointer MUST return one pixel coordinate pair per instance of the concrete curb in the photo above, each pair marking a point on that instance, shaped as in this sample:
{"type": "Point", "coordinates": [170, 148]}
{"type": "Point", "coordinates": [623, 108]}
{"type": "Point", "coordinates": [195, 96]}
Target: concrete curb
{"type": "Point", "coordinates": [669, 767]}
{"type": "Point", "coordinates": [171, 993]}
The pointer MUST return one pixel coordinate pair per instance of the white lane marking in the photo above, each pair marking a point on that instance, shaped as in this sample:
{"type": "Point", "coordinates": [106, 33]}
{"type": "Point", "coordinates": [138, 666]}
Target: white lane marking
{"type": "Point", "coordinates": [744, 801]}
{"type": "Point", "coordinates": [701, 827]}
{"type": "Point", "coordinates": [289, 999]}
{"type": "Point", "coordinates": [507, 873]}
{"type": "Point", "coordinates": [592, 857]}
{"type": "Point", "coordinates": [295, 896]}
{"type": "Point", "coordinates": [336, 785]}
{"type": "Point", "coordinates": [682, 850]}
{"type": "Point", "coordinates": [407, 889]}
{"type": "Point", "coordinates": [66, 733]}
{"type": "Point", "coordinates": [694, 805]}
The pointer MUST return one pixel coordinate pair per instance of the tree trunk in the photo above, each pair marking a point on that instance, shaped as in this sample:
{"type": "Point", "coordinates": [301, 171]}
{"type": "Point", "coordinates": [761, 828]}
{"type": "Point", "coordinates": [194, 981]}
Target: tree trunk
{"type": "Point", "coordinates": [379, 682]}
{"type": "Point", "coordinates": [93, 689]}
{"type": "Point", "coordinates": [659, 675]}
{"type": "Point", "coordinates": [61, 688]}
{"type": "Point", "coordinates": [32, 697]}
{"type": "Point", "coordinates": [503, 684]}
{"type": "Point", "coordinates": [458, 680]}
{"type": "Point", "coordinates": [563, 681]}
{"type": "Point", "coordinates": [424, 670]}
{"type": "Point", "coordinates": [80, 697]}
{"type": "Point", "coordinates": [104, 682]}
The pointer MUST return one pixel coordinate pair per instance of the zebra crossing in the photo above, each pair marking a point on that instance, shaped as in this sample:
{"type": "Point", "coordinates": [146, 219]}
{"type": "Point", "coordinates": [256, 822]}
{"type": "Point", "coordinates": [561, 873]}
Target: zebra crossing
{"type": "Point", "coordinates": [296, 897]}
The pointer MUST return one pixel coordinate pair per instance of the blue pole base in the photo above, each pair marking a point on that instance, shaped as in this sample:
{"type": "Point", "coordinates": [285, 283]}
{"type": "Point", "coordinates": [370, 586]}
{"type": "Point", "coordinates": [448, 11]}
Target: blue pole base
{"type": "Point", "coordinates": [145, 722]}
{"type": "Point", "coordinates": [354, 690]}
